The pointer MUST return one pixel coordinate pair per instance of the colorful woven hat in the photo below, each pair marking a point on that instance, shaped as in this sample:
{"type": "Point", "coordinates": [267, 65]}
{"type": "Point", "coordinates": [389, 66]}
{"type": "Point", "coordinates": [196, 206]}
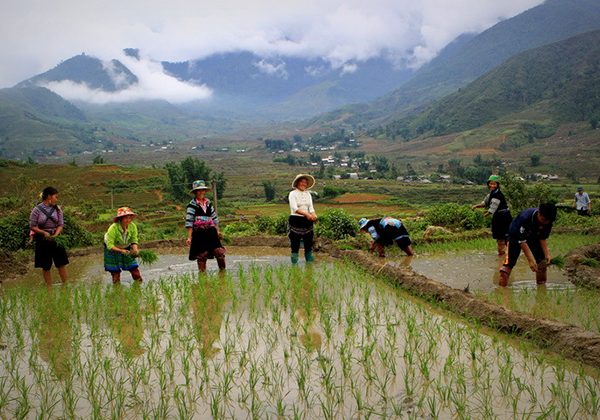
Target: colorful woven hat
{"type": "Point", "coordinates": [199, 184]}
{"type": "Point", "coordinates": [123, 211]}
{"type": "Point", "coordinates": [309, 179]}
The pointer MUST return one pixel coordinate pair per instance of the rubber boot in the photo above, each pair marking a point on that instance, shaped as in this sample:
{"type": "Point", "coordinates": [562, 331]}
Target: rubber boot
{"type": "Point", "coordinates": [308, 255]}
{"type": "Point", "coordinates": [294, 258]}
{"type": "Point", "coordinates": [501, 247]}
{"type": "Point", "coordinates": [541, 275]}
{"type": "Point", "coordinates": [380, 250]}
{"type": "Point", "coordinates": [504, 275]}
{"type": "Point", "coordinates": [202, 266]}
{"type": "Point", "coordinates": [221, 263]}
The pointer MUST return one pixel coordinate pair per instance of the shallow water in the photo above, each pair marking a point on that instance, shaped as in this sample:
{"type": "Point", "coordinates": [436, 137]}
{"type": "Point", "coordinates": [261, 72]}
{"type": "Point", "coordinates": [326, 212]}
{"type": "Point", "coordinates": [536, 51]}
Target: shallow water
{"type": "Point", "coordinates": [479, 271]}
{"type": "Point", "coordinates": [171, 261]}
{"type": "Point", "coordinates": [263, 342]}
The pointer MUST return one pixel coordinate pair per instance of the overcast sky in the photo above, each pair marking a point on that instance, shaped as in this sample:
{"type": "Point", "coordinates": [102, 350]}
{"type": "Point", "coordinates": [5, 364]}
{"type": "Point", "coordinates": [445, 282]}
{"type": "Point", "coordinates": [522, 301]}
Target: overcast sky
{"type": "Point", "coordinates": [35, 35]}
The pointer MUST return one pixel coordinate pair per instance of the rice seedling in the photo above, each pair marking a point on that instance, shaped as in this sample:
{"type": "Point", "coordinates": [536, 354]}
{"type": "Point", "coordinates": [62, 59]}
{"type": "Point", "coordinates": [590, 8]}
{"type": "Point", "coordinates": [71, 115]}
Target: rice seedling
{"type": "Point", "coordinates": [147, 257]}
{"type": "Point", "coordinates": [244, 345]}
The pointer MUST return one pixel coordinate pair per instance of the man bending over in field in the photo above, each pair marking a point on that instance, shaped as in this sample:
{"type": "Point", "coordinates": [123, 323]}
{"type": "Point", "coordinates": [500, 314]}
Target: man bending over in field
{"type": "Point", "coordinates": [528, 232]}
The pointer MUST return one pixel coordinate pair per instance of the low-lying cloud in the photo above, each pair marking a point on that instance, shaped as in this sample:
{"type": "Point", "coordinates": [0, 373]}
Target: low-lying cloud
{"type": "Point", "coordinates": [35, 35]}
{"type": "Point", "coordinates": [152, 84]}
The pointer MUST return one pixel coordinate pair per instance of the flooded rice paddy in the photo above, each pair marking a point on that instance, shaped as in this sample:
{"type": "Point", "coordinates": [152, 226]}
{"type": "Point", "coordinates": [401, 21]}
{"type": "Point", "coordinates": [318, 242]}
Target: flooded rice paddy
{"type": "Point", "coordinates": [558, 299]}
{"type": "Point", "coordinates": [266, 340]}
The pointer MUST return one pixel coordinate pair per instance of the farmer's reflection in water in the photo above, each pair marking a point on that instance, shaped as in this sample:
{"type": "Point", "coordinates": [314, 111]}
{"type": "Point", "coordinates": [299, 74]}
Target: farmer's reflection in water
{"type": "Point", "coordinates": [209, 298]}
{"type": "Point", "coordinates": [55, 334]}
{"type": "Point", "coordinates": [506, 297]}
{"type": "Point", "coordinates": [304, 304]}
{"type": "Point", "coordinates": [125, 310]}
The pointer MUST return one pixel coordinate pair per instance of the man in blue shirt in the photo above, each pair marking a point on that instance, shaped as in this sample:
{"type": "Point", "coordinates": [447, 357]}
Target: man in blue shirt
{"type": "Point", "coordinates": [528, 232]}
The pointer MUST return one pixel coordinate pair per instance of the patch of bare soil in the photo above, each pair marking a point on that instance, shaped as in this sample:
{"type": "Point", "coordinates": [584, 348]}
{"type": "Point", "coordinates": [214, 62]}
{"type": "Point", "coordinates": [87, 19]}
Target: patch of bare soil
{"type": "Point", "coordinates": [568, 340]}
{"type": "Point", "coordinates": [583, 266]}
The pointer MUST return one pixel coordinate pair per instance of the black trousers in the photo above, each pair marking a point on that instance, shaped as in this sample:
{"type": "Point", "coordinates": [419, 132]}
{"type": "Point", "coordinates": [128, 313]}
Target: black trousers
{"type": "Point", "coordinates": [300, 229]}
{"type": "Point", "coordinates": [514, 250]}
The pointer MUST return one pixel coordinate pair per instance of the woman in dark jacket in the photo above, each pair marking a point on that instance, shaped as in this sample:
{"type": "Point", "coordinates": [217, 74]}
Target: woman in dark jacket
{"type": "Point", "coordinates": [498, 209]}
{"type": "Point", "coordinates": [202, 224]}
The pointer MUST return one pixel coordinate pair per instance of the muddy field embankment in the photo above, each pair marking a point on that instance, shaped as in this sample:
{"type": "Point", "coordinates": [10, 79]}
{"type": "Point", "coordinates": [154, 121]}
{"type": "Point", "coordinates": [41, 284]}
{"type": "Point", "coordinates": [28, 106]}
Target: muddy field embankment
{"type": "Point", "coordinates": [568, 340]}
{"type": "Point", "coordinates": [583, 266]}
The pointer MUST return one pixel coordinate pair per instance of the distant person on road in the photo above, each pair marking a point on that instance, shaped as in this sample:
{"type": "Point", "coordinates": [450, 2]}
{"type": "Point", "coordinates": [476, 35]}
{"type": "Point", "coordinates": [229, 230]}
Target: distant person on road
{"type": "Point", "coordinates": [498, 209]}
{"type": "Point", "coordinates": [384, 232]}
{"type": "Point", "coordinates": [302, 217]}
{"type": "Point", "coordinates": [583, 204]}
{"type": "Point", "coordinates": [46, 223]}
{"type": "Point", "coordinates": [529, 232]}
{"type": "Point", "coordinates": [121, 246]}
{"type": "Point", "coordinates": [202, 224]}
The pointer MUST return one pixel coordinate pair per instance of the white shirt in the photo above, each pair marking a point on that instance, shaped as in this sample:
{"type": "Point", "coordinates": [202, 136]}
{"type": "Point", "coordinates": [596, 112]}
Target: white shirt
{"type": "Point", "coordinates": [582, 201]}
{"type": "Point", "coordinates": [300, 200]}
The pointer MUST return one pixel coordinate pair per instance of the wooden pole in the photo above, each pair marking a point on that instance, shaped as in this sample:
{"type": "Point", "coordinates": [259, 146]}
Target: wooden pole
{"type": "Point", "coordinates": [214, 190]}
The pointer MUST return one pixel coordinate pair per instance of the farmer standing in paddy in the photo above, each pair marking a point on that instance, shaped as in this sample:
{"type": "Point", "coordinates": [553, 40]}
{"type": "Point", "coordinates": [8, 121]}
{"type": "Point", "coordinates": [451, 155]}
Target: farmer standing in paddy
{"type": "Point", "coordinates": [529, 232]}
{"type": "Point", "coordinates": [46, 223]}
{"type": "Point", "coordinates": [202, 224]}
{"type": "Point", "coordinates": [302, 217]}
{"type": "Point", "coordinates": [386, 231]}
{"type": "Point", "coordinates": [498, 209]}
{"type": "Point", "coordinates": [583, 203]}
{"type": "Point", "coordinates": [121, 246]}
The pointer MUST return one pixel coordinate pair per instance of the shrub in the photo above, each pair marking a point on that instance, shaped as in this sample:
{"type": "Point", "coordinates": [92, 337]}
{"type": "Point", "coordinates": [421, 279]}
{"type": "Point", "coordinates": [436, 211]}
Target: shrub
{"type": "Point", "coordinates": [332, 192]}
{"type": "Point", "coordinates": [272, 225]}
{"type": "Point", "coordinates": [336, 224]}
{"type": "Point", "coordinates": [239, 229]}
{"type": "Point", "coordinates": [521, 196]}
{"type": "Point", "coordinates": [455, 216]}
{"type": "Point", "coordinates": [14, 232]}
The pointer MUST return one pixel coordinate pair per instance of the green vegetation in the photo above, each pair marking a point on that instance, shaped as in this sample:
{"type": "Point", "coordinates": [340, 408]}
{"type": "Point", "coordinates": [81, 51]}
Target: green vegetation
{"type": "Point", "coordinates": [566, 90]}
{"type": "Point", "coordinates": [182, 174]}
{"type": "Point", "coordinates": [147, 257]}
{"type": "Point", "coordinates": [336, 224]}
{"type": "Point", "coordinates": [327, 342]}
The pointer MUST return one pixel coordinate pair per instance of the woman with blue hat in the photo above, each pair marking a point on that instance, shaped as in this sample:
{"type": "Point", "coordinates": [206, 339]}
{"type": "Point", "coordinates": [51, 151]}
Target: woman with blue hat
{"type": "Point", "coordinates": [386, 231]}
{"type": "Point", "coordinates": [202, 224]}
{"type": "Point", "coordinates": [498, 209]}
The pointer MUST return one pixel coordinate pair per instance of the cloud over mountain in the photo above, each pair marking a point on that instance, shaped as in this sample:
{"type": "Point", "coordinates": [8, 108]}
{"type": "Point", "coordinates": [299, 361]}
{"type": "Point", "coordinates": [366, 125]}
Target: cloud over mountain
{"type": "Point", "coordinates": [36, 35]}
{"type": "Point", "coordinates": [152, 83]}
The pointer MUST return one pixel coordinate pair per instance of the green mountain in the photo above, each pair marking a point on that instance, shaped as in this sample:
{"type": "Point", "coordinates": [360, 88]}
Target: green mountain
{"type": "Point", "coordinates": [470, 57]}
{"type": "Point", "coordinates": [559, 83]}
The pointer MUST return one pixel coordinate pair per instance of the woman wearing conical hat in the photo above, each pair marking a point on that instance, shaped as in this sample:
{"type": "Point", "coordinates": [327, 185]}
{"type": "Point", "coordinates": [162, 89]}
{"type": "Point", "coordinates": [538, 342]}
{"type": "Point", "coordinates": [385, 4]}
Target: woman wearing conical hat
{"type": "Point", "coordinates": [302, 217]}
{"type": "Point", "coordinates": [121, 246]}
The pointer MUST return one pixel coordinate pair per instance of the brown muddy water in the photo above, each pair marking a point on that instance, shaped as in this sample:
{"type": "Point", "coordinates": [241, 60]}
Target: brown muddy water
{"type": "Point", "coordinates": [479, 271]}
{"type": "Point", "coordinates": [171, 262]}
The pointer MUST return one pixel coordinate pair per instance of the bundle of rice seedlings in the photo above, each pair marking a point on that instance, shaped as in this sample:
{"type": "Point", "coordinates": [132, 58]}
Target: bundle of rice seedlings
{"type": "Point", "coordinates": [147, 257]}
{"type": "Point", "coordinates": [558, 261]}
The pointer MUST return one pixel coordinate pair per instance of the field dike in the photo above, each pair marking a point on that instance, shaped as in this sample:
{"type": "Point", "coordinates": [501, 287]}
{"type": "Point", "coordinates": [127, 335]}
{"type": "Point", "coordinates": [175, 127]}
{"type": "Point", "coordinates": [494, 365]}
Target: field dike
{"type": "Point", "coordinates": [568, 340]}
{"type": "Point", "coordinates": [582, 266]}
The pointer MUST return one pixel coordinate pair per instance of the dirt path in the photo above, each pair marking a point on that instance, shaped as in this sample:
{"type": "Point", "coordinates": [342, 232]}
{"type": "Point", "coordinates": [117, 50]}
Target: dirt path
{"type": "Point", "coordinates": [567, 340]}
